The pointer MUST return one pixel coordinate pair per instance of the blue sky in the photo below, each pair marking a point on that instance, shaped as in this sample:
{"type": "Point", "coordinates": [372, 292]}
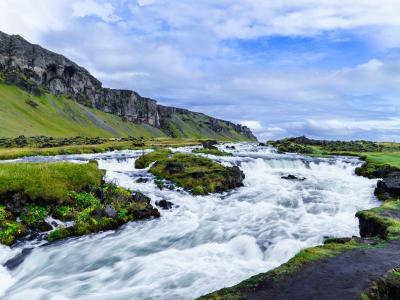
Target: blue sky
{"type": "Point", "coordinates": [326, 69]}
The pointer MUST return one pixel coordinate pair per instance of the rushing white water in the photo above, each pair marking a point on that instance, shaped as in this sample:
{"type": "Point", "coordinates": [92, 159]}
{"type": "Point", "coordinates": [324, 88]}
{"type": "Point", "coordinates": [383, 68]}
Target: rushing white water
{"type": "Point", "coordinates": [203, 243]}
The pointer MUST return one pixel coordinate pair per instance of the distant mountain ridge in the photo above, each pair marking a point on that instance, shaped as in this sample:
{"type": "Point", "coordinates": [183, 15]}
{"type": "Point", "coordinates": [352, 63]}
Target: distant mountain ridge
{"type": "Point", "coordinates": [38, 71]}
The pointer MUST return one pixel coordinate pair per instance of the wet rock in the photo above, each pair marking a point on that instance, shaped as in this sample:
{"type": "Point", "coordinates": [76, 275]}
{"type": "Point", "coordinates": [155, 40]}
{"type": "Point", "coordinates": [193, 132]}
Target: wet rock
{"type": "Point", "coordinates": [388, 187]}
{"type": "Point", "coordinates": [234, 178]}
{"type": "Point", "coordinates": [44, 226]}
{"type": "Point", "coordinates": [142, 180]}
{"type": "Point", "coordinates": [164, 204]}
{"type": "Point", "coordinates": [262, 144]}
{"type": "Point", "coordinates": [110, 211]}
{"type": "Point", "coordinates": [140, 197]}
{"type": "Point", "coordinates": [14, 262]}
{"type": "Point", "coordinates": [231, 147]}
{"type": "Point", "coordinates": [210, 144]}
{"type": "Point", "coordinates": [293, 177]}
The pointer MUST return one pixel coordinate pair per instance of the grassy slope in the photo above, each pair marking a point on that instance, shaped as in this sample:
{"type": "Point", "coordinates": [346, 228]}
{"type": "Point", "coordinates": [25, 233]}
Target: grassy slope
{"type": "Point", "coordinates": [59, 117]}
{"type": "Point", "coordinates": [196, 126]}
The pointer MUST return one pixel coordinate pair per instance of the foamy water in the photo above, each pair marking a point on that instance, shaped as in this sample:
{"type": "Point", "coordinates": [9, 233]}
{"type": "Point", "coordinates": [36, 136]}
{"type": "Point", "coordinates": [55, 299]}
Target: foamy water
{"type": "Point", "coordinates": [205, 242]}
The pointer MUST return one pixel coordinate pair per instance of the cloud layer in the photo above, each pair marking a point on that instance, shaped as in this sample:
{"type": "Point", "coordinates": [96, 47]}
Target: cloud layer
{"type": "Point", "coordinates": [323, 68]}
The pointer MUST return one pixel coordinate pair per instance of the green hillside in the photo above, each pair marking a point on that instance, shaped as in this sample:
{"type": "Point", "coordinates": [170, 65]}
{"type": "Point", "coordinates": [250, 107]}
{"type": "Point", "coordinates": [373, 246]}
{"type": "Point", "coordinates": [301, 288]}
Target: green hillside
{"type": "Point", "coordinates": [189, 125]}
{"type": "Point", "coordinates": [22, 113]}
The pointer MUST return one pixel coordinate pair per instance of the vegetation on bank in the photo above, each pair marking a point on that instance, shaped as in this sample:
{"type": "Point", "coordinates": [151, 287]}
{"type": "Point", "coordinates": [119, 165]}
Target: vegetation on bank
{"type": "Point", "coordinates": [106, 145]}
{"type": "Point", "coordinates": [197, 174]}
{"type": "Point", "coordinates": [30, 192]}
{"type": "Point", "coordinates": [304, 257]}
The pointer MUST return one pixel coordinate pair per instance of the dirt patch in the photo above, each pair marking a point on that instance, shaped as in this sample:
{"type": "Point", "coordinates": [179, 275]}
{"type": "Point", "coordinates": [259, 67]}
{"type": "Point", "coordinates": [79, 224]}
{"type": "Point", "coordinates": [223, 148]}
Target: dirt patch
{"type": "Point", "coordinates": [342, 277]}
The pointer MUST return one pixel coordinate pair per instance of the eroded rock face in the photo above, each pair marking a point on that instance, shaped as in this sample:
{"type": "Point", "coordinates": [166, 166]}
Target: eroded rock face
{"type": "Point", "coordinates": [388, 187]}
{"type": "Point", "coordinates": [33, 68]}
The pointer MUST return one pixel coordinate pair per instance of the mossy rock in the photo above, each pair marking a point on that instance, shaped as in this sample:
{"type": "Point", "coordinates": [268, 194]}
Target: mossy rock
{"type": "Point", "coordinates": [197, 174]}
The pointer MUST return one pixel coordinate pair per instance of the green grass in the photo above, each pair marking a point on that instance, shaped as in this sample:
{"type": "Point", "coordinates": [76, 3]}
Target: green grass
{"type": "Point", "coordinates": [12, 153]}
{"type": "Point", "coordinates": [383, 158]}
{"type": "Point", "coordinates": [215, 152]}
{"type": "Point", "coordinates": [48, 181]}
{"type": "Point", "coordinates": [198, 174]}
{"type": "Point", "coordinates": [60, 117]}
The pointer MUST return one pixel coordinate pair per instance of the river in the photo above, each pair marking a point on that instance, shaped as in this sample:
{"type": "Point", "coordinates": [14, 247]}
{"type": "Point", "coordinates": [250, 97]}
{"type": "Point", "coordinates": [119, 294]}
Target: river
{"type": "Point", "coordinates": [205, 242]}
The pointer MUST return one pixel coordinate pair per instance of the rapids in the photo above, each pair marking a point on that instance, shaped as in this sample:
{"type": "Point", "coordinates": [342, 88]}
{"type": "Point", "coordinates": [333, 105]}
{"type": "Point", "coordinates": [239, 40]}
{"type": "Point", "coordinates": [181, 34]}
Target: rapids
{"type": "Point", "coordinates": [205, 242]}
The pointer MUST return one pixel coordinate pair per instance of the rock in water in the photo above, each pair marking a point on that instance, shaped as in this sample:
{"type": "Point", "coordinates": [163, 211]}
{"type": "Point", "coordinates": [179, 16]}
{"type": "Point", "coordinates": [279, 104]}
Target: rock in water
{"type": "Point", "coordinates": [164, 204]}
{"type": "Point", "coordinates": [210, 144]}
{"type": "Point", "coordinates": [293, 177]}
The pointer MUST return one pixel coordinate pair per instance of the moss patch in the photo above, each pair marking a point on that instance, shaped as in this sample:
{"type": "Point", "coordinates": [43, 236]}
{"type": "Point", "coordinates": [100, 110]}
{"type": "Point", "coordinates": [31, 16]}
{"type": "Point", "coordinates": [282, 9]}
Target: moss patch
{"type": "Point", "coordinates": [212, 152]}
{"type": "Point", "coordinates": [47, 181]}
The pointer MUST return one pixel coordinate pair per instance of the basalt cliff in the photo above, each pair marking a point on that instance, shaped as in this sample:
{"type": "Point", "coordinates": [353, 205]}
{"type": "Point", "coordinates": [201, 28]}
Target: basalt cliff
{"type": "Point", "coordinates": [38, 70]}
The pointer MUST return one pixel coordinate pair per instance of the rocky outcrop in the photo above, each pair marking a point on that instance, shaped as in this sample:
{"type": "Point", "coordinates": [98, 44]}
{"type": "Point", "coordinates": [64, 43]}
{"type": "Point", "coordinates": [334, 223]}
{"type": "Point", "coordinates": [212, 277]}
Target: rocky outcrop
{"type": "Point", "coordinates": [36, 69]}
{"type": "Point", "coordinates": [388, 187]}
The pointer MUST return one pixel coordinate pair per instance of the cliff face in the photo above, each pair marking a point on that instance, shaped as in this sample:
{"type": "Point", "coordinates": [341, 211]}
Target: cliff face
{"type": "Point", "coordinates": [36, 69]}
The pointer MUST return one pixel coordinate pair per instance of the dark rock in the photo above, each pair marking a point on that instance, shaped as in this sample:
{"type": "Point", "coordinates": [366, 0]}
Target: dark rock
{"type": "Point", "coordinates": [174, 167]}
{"type": "Point", "coordinates": [370, 227]}
{"type": "Point", "coordinates": [164, 204]}
{"type": "Point", "coordinates": [140, 197]}
{"type": "Point", "coordinates": [231, 147]}
{"type": "Point", "coordinates": [44, 226]}
{"type": "Point", "coordinates": [262, 144]}
{"type": "Point", "coordinates": [14, 262]}
{"type": "Point", "coordinates": [388, 187]}
{"type": "Point", "coordinates": [198, 174]}
{"type": "Point", "coordinates": [110, 211]}
{"type": "Point", "coordinates": [97, 213]}
{"type": "Point", "coordinates": [234, 178]}
{"type": "Point", "coordinates": [142, 180]}
{"type": "Point", "coordinates": [210, 144]}
{"type": "Point", "coordinates": [293, 177]}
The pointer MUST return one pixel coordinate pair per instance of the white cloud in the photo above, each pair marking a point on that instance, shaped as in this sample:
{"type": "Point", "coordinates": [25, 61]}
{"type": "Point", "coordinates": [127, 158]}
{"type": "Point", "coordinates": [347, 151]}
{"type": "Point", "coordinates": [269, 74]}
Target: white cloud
{"type": "Point", "coordinates": [105, 11]}
{"type": "Point", "coordinates": [253, 125]}
{"type": "Point", "coordinates": [31, 19]}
